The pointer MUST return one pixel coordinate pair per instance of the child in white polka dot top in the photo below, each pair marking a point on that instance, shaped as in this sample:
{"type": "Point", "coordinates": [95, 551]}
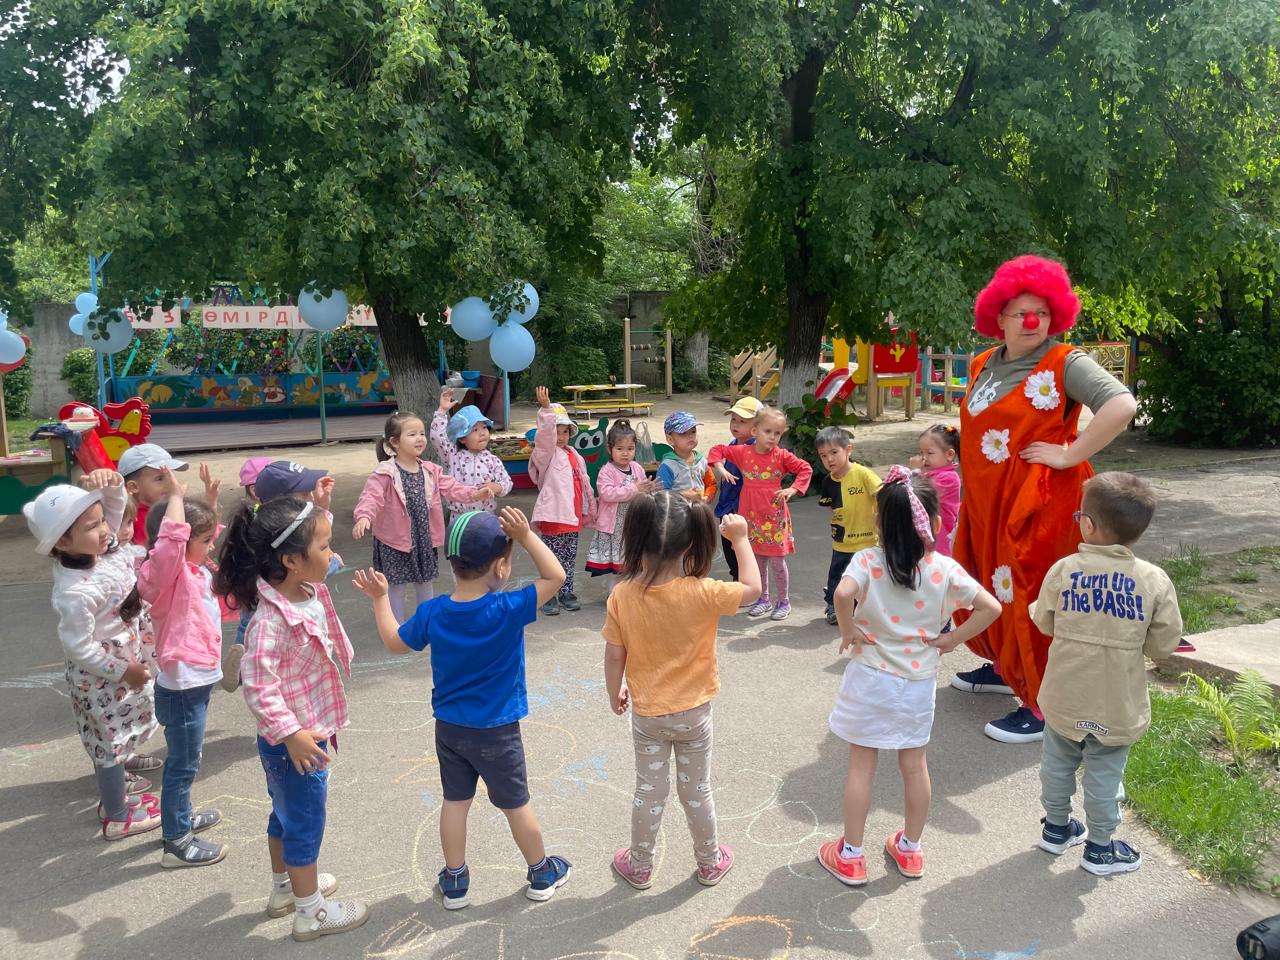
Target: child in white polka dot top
{"type": "Point", "coordinates": [905, 591]}
{"type": "Point", "coordinates": [463, 443]}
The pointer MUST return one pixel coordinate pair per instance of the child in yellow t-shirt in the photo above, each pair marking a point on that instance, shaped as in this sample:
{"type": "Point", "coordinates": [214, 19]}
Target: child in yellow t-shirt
{"type": "Point", "coordinates": [849, 491]}
{"type": "Point", "coordinates": [660, 629]}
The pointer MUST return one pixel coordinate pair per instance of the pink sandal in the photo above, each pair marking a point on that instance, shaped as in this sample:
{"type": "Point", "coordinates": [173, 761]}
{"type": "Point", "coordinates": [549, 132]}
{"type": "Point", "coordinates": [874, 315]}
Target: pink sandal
{"type": "Point", "coordinates": [140, 820]}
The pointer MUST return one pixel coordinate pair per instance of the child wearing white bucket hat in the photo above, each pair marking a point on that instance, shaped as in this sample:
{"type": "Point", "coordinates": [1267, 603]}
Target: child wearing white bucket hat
{"type": "Point", "coordinates": [463, 443]}
{"type": "Point", "coordinates": [96, 599]}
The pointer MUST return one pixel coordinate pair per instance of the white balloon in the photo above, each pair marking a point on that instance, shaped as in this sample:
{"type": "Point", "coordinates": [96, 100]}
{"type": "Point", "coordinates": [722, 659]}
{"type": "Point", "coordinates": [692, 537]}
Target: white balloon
{"type": "Point", "coordinates": [321, 312]}
{"type": "Point", "coordinates": [108, 332]}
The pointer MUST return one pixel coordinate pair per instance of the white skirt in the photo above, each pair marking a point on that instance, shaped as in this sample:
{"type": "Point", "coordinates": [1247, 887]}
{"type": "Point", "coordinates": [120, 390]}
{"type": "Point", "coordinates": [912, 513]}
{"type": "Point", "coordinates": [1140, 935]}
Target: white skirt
{"type": "Point", "coordinates": [878, 710]}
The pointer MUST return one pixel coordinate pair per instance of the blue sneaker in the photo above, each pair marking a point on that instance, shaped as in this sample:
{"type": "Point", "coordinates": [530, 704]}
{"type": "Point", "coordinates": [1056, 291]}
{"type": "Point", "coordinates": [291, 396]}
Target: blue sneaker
{"type": "Point", "coordinates": [454, 887]}
{"type": "Point", "coordinates": [983, 680]}
{"type": "Point", "coordinates": [1115, 857]}
{"type": "Point", "coordinates": [544, 880]}
{"type": "Point", "coordinates": [1020, 726]}
{"type": "Point", "coordinates": [1056, 840]}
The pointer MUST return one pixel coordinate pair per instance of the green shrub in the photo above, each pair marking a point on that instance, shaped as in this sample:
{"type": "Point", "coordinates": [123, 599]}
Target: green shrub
{"type": "Point", "coordinates": [80, 374]}
{"type": "Point", "coordinates": [1214, 388]}
{"type": "Point", "coordinates": [17, 388]}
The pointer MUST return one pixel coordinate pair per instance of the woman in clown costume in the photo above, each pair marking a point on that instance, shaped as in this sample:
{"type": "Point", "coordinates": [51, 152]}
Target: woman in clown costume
{"type": "Point", "coordinates": [1024, 465]}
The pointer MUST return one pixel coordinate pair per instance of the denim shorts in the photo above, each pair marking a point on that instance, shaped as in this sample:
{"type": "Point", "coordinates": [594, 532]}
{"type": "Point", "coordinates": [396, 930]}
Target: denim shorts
{"type": "Point", "coordinates": [494, 755]}
{"type": "Point", "coordinates": [297, 804]}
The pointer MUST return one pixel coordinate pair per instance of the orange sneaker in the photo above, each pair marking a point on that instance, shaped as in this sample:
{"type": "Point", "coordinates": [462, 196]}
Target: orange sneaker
{"type": "Point", "coordinates": [851, 871]}
{"type": "Point", "coordinates": [909, 863]}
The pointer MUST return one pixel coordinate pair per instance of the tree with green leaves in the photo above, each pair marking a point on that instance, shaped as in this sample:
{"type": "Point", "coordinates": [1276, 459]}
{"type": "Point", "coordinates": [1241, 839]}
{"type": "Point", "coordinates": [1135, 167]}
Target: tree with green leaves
{"type": "Point", "coordinates": [409, 153]}
{"type": "Point", "coordinates": [892, 154]}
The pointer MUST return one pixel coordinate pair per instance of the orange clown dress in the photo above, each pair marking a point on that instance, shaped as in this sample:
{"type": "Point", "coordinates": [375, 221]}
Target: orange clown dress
{"type": "Point", "coordinates": [1016, 519]}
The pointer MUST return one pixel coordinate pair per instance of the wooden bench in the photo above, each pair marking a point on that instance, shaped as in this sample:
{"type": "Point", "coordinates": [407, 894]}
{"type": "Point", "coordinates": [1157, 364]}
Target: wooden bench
{"type": "Point", "coordinates": [598, 406]}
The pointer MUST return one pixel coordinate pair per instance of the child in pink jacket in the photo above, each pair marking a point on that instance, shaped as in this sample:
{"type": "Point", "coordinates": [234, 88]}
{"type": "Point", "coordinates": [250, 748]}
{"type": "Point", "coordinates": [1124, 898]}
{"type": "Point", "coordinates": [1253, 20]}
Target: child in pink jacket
{"type": "Point", "coordinates": [565, 501]}
{"type": "Point", "coordinates": [618, 483]}
{"type": "Point", "coordinates": [178, 584]}
{"type": "Point", "coordinates": [401, 504]}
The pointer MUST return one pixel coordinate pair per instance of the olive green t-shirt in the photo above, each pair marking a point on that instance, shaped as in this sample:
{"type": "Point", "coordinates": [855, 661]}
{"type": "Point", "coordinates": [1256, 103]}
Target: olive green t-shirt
{"type": "Point", "coordinates": [1086, 382]}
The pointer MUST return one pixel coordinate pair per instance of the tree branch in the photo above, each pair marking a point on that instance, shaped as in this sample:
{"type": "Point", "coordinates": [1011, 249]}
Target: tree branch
{"type": "Point", "coordinates": [1053, 36]}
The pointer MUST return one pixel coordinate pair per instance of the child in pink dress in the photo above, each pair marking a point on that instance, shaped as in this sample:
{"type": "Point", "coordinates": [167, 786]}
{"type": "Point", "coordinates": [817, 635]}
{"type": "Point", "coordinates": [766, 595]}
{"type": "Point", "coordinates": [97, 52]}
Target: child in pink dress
{"type": "Point", "coordinates": [764, 503]}
{"type": "Point", "coordinates": [939, 461]}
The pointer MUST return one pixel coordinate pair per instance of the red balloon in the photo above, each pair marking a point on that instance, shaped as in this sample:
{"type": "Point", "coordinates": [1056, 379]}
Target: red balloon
{"type": "Point", "coordinates": [10, 367]}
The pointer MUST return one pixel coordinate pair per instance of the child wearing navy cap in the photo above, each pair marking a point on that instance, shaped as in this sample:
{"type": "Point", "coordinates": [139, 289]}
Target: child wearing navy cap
{"type": "Point", "coordinates": [476, 639]}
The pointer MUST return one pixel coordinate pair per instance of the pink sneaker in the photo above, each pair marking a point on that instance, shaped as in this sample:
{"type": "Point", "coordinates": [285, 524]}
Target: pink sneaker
{"type": "Point", "coordinates": [623, 867]}
{"type": "Point", "coordinates": [851, 871]}
{"type": "Point", "coordinates": [910, 863]}
{"type": "Point", "coordinates": [710, 876]}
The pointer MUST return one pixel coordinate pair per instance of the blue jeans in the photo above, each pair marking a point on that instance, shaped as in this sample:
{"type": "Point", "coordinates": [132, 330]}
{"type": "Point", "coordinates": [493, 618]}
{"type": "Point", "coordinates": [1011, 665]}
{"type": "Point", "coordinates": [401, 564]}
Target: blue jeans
{"type": "Point", "coordinates": [245, 616]}
{"type": "Point", "coordinates": [182, 713]}
{"type": "Point", "coordinates": [298, 803]}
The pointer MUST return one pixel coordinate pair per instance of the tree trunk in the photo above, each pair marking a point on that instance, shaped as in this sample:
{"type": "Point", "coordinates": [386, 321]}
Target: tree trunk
{"type": "Point", "coordinates": [806, 310]}
{"type": "Point", "coordinates": [412, 370]}
{"type": "Point", "coordinates": [696, 349]}
{"type": "Point", "coordinates": [807, 319]}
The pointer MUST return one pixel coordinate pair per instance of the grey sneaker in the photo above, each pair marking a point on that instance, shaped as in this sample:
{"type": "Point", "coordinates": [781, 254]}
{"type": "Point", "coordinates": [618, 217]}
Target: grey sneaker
{"type": "Point", "coordinates": [760, 608]}
{"type": "Point", "coordinates": [194, 853]}
{"type": "Point", "coordinates": [781, 612]}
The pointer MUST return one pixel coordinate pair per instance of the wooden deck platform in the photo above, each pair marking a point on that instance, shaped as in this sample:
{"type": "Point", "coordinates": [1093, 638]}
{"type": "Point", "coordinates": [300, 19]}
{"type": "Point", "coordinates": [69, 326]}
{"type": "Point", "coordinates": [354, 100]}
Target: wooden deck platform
{"type": "Point", "coordinates": [260, 434]}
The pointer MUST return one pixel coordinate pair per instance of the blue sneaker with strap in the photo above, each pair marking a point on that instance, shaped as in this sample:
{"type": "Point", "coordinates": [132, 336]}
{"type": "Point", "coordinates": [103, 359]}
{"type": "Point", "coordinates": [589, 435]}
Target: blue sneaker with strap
{"type": "Point", "coordinates": [454, 887]}
{"type": "Point", "coordinates": [1057, 839]}
{"type": "Point", "coordinates": [547, 877]}
{"type": "Point", "coordinates": [1115, 857]}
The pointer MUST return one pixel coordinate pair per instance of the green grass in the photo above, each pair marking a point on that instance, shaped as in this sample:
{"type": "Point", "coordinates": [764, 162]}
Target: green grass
{"type": "Point", "coordinates": [1244, 575]}
{"type": "Point", "coordinates": [1222, 822]}
{"type": "Point", "coordinates": [1202, 609]}
{"type": "Point", "coordinates": [20, 430]}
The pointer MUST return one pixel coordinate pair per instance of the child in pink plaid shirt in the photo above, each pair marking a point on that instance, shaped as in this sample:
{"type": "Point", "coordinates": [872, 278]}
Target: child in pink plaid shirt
{"type": "Point", "coordinates": [274, 562]}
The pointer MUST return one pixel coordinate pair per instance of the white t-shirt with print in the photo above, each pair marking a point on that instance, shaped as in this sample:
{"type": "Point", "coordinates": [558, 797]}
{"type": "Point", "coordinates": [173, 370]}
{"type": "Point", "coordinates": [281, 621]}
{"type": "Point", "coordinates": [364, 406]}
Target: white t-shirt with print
{"type": "Point", "coordinates": [899, 619]}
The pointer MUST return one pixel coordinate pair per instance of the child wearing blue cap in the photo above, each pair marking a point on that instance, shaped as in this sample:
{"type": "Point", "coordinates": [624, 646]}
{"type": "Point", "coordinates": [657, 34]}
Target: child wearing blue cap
{"type": "Point", "coordinates": [684, 470]}
{"type": "Point", "coordinates": [476, 638]}
{"type": "Point", "coordinates": [463, 443]}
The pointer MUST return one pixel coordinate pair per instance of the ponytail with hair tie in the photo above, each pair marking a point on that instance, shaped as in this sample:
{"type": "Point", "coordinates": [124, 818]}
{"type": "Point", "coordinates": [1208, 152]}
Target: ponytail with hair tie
{"type": "Point", "coordinates": [919, 515]}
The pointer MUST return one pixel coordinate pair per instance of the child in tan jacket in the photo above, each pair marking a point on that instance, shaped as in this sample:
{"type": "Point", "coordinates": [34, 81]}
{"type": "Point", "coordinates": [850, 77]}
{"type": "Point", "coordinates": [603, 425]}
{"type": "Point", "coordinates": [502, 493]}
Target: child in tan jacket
{"type": "Point", "coordinates": [1106, 610]}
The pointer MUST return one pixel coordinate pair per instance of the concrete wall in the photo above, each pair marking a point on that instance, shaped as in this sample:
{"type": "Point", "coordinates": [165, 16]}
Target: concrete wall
{"type": "Point", "coordinates": [52, 341]}
{"type": "Point", "coordinates": [646, 314]}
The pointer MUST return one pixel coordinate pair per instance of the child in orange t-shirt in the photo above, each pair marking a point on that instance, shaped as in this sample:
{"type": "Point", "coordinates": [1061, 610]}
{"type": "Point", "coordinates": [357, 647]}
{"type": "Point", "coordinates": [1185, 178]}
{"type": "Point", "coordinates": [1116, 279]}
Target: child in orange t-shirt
{"type": "Point", "coordinates": [660, 629]}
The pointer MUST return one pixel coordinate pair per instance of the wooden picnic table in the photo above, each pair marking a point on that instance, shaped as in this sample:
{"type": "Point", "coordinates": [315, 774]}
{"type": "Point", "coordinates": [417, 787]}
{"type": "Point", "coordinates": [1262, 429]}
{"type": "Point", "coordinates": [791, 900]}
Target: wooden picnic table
{"type": "Point", "coordinates": [601, 397]}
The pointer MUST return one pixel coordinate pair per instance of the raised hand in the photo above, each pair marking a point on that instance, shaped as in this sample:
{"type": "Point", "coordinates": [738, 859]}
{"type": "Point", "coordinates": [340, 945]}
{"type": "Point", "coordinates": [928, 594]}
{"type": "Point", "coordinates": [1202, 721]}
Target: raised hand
{"type": "Point", "coordinates": [371, 583]}
{"type": "Point", "coordinates": [172, 485]}
{"type": "Point", "coordinates": [98, 479]}
{"type": "Point", "coordinates": [514, 523]}
{"type": "Point", "coordinates": [542, 396]}
{"type": "Point", "coordinates": [323, 495]}
{"type": "Point", "coordinates": [211, 485]}
{"type": "Point", "coordinates": [446, 399]}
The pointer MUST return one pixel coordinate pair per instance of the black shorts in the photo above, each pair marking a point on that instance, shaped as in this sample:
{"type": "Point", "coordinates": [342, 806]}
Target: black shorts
{"type": "Point", "coordinates": [494, 755]}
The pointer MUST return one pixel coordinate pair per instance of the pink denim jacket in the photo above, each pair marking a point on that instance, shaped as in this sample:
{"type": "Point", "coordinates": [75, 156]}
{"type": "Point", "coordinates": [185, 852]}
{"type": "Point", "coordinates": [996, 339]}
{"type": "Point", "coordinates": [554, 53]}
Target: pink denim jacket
{"type": "Point", "coordinates": [552, 470]}
{"type": "Point", "coordinates": [176, 590]}
{"type": "Point", "coordinates": [614, 489]}
{"type": "Point", "coordinates": [382, 503]}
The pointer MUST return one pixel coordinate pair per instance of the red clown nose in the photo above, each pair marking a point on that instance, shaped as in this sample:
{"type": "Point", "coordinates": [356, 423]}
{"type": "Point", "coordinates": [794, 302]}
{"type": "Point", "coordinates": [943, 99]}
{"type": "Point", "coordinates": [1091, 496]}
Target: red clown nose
{"type": "Point", "coordinates": [1030, 321]}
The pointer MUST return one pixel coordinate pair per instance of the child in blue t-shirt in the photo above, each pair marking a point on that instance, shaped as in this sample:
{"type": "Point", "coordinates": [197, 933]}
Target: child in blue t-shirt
{"type": "Point", "coordinates": [476, 638]}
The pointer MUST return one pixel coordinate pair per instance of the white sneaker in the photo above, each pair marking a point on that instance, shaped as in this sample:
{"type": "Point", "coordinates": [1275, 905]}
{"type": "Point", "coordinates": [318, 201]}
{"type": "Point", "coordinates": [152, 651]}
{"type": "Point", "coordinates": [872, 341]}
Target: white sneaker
{"type": "Point", "coordinates": [336, 916]}
{"type": "Point", "coordinates": [280, 903]}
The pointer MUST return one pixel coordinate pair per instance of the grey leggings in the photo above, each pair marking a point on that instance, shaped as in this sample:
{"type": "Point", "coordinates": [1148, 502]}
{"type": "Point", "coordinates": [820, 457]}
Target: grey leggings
{"type": "Point", "coordinates": [111, 787]}
{"type": "Point", "coordinates": [689, 733]}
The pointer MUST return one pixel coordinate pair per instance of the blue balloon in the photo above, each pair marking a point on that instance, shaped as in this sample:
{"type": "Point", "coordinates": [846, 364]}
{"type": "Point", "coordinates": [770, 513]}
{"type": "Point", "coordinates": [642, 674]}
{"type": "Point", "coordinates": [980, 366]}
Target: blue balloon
{"type": "Point", "coordinates": [108, 332]}
{"type": "Point", "coordinates": [321, 312]}
{"type": "Point", "coordinates": [76, 324]}
{"type": "Point", "coordinates": [86, 303]}
{"type": "Point", "coordinates": [530, 310]}
{"type": "Point", "coordinates": [4, 320]}
{"type": "Point", "coordinates": [472, 319]}
{"type": "Point", "coordinates": [186, 303]}
{"type": "Point", "coordinates": [12, 347]}
{"type": "Point", "coordinates": [512, 347]}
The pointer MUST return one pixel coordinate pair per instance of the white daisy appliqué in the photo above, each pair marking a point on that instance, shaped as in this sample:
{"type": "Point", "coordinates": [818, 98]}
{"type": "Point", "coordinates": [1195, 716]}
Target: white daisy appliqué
{"type": "Point", "coordinates": [1042, 391]}
{"type": "Point", "coordinates": [995, 445]}
{"type": "Point", "coordinates": [1002, 583]}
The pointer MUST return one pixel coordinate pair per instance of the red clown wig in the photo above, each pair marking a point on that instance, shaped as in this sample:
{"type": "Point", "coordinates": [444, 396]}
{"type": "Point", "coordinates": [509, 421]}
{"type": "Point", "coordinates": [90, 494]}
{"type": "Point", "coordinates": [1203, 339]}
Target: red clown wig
{"type": "Point", "coordinates": [1027, 274]}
